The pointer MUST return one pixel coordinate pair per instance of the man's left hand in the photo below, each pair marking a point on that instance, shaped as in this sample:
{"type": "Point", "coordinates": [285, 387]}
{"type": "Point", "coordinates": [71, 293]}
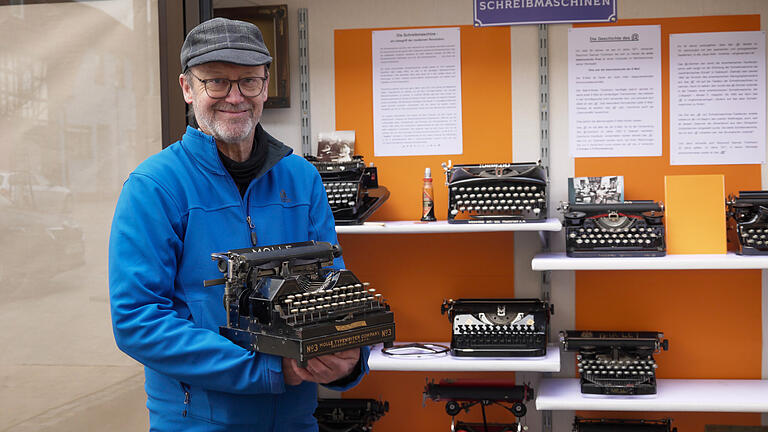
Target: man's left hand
{"type": "Point", "coordinates": [326, 368]}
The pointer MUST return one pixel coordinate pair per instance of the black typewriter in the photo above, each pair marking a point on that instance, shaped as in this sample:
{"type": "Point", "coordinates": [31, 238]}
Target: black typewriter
{"type": "Point", "coordinates": [496, 193]}
{"type": "Point", "coordinates": [615, 363]}
{"type": "Point", "coordinates": [349, 415]}
{"type": "Point", "coordinates": [622, 425]}
{"type": "Point", "coordinates": [283, 300]}
{"type": "Point", "coordinates": [628, 229]}
{"type": "Point", "coordinates": [461, 395]}
{"type": "Point", "coordinates": [498, 327]}
{"type": "Point", "coordinates": [353, 189]}
{"type": "Point", "coordinates": [750, 212]}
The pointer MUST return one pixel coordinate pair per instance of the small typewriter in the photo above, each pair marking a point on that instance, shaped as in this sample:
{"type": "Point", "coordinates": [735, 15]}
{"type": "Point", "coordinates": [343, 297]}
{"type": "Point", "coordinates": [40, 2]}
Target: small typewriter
{"type": "Point", "coordinates": [622, 425]}
{"type": "Point", "coordinates": [349, 415]}
{"type": "Point", "coordinates": [461, 395]}
{"type": "Point", "coordinates": [284, 300]}
{"type": "Point", "coordinates": [750, 212]}
{"type": "Point", "coordinates": [498, 327]}
{"type": "Point", "coordinates": [353, 189]}
{"type": "Point", "coordinates": [615, 363]}
{"type": "Point", "coordinates": [628, 229]}
{"type": "Point", "coordinates": [496, 193]}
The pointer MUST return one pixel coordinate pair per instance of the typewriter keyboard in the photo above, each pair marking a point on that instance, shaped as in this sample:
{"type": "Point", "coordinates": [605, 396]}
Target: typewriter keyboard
{"type": "Point", "coordinates": [642, 237]}
{"type": "Point", "coordinates": [606, 373]}
{"type": "Point", "coordinates": [754, 236]}
{"type": "Point", "coordinates": [469, 335]}
{"type": "Point", "coordinates": [498, 200]}
{"type": "Point", "coordinates": [322, 304]}
{"type": "Point", "coordinates": [342, 194]}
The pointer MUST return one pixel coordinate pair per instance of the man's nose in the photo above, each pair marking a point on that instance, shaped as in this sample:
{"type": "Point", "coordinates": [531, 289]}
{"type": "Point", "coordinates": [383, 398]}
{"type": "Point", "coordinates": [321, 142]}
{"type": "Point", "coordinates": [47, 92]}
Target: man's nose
{"type": "Point", "coordinates": [234, 97]}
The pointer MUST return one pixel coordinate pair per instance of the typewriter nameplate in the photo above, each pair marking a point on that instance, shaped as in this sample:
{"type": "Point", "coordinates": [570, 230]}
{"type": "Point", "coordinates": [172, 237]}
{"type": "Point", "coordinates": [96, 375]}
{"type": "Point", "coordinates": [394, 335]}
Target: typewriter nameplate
{"type": "Point", "coordinates": [351, 326]}
{"type": "Point", "coordinates": [354, 339]}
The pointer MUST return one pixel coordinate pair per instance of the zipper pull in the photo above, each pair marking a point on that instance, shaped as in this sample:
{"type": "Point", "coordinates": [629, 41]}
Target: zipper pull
{"type": "Point", "coordinates": [254, 240]}
{"type": "Point", "coordinates": [186, 402]}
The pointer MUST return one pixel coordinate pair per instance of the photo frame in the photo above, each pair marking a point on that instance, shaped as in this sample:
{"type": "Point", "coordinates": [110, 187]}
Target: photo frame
{"type": "Point", "coordinates": [273, 23]}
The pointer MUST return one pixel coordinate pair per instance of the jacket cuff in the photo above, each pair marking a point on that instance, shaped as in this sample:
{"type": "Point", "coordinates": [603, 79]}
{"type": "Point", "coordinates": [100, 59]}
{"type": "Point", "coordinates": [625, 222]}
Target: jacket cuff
{"type": "Point", "coordinates": [275, 373]}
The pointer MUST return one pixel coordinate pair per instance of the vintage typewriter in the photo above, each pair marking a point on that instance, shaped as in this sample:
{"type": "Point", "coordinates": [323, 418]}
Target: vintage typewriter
{"type": "Point", "coordinates": [461, 395]}
{"type": "Point", "coordinates": [496, 193]}
{"type": "Point", "coordinates": [353, 189]}
{"type": "Point", "coordinates": [615, 363]}
{"type": "Point", "coordinates": [498, 327]}
{"type": "Point", "coordinates": [750, 212]}
{"type": "Point", "coordinates": [628, 229]}
{"type": "Point", "coordinates": [282, 300]}
{"type": "Point", "coordinates": [349, 415]}
{"type": "Point", "coordinates": [622, 425]}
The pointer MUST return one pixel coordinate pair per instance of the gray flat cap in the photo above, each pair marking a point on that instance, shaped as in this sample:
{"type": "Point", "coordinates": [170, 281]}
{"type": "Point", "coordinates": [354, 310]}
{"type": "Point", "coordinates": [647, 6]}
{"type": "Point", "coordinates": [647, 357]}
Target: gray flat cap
{"type": "Point", "coordinates": [224, 40]}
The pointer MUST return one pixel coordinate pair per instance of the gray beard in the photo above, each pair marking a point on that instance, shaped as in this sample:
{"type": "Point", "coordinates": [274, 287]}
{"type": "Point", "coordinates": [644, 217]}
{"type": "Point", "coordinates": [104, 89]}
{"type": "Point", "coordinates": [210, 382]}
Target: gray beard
{"type": "Point", "coordinates": [228, 132]}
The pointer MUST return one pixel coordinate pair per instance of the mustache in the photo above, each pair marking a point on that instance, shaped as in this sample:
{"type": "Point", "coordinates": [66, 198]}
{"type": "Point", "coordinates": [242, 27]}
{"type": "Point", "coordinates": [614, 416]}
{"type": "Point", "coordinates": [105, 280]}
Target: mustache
{"type": "Point", "coordinates": [226, 106]}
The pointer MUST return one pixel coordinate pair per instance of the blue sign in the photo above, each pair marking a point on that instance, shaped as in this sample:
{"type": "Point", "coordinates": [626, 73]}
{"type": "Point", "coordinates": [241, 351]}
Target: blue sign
{"type": "Point", "coordinates": [510, 12]}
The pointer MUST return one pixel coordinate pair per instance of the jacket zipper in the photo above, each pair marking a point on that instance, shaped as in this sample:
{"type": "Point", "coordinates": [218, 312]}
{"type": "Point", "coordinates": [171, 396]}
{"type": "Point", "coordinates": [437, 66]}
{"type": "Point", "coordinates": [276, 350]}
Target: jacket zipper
{"type": "Point", "coordinates": [185, 387]}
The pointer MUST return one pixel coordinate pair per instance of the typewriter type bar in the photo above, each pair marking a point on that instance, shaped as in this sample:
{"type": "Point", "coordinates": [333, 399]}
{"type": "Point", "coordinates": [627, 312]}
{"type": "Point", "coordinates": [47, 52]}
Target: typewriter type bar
{"type": "Point", "coordinates": [349, 415]}
{"type": "Point", "coordinates": [615, 363]}
{"type": "Point", "coordinates": [749, 211]}
{"type": "Point", "coordinates": [622, 425]}
{"type": "Point", "coordinates": [353, 189]}
{"type": "Point", "coordinates": [496, 193]}
{"type": "Point", "coordinates": [498, 327]}
{"type": "Point", "coordinates": [283, 300]}
{"type": "Point", "coordinates": [628, 229]}
{"type": "Point", "coordinates": [463, 394]}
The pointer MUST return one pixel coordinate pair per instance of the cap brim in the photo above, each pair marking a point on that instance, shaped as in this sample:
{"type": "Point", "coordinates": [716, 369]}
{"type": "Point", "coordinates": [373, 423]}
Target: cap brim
{"type": "Point", "coordinates": [230, 55]}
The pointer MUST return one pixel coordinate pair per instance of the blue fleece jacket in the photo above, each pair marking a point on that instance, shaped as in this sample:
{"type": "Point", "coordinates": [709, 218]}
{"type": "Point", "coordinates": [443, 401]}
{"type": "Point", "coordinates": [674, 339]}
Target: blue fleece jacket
{"type": "Point", "coordinates": [175, 209]}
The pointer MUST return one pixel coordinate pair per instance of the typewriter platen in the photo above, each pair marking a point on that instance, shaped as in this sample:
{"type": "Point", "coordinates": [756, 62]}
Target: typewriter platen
{"type": "Point", "coordinates": [496, 193]}
{"type": "Point", "coordinates": [498, 327]}
{"type": "Point", "coordinates": [353, 189]}
{"type": "Point", "coordinates": [628, 229]}
{"type": "Point", "coordinates": [349, 415]}
{"type": "Point", "coordinates": [619, 363]}
{"type": "Point", "coordinates": [622, 425]}
{"type": "Point", "coordinates": [750, 212]}
{"type": "Point", "coordinates": [281, 300]}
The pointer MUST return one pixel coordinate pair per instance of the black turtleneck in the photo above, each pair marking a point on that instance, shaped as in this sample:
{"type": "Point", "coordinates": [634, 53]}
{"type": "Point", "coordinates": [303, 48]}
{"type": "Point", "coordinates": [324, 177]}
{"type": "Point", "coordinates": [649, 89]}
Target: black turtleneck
{"type": "Point", "coordinates": [243, 172]}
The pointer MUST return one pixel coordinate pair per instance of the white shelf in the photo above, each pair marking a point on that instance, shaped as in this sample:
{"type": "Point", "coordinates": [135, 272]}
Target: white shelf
{"type": "Point", "coordinates": [447, 362]}
{"type": "Point", "coordinates": [418, 227]}
{"type": "Point", "coordinates": [558, 261]}
{"type": "Point", "coordinates": [672, 395]}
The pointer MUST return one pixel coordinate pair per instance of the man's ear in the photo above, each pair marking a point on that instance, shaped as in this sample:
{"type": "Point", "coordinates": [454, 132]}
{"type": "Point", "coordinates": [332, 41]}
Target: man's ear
{"type": "Point", "coordinates": [186, 88]}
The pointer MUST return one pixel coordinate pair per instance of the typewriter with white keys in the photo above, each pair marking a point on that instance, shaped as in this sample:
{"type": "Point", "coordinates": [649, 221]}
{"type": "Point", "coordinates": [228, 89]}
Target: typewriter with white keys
{"type": "Point", "coordinates": [622, 425]}
{"type": "Point", "coordinates": [349, 415]}
{"type": "Point", "coordinates": [749, 211]}
{"type": "Point", "coordinates": [496, 193]}
{"type": "Point", "coordinates": [498, 327]}
{"type": "Point", "coordinates": [461, 395]}
{"type": "Point", "coordinates": [285, 300]}
{"type": "Point", "coordinates": [615, 363]}
{"type": "Point", "coordinates": [353, 189]}
{"type": "Point", "coordinates": [628, 229]}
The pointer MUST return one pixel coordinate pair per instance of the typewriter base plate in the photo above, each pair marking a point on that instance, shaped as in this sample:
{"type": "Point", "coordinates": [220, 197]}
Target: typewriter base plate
{"type": "Point", "coordinates": [304, 349]}
{"type": "Point", "coordinates": [748, 250]}
{"type": "Point", "coordinates": [375, 198]}
{"type": "Point", "coordinates": [498, 352]}
{"type": "Point", "coordinates": [492, 427]}
{"type": "Point", "coordinates": [615, 253]}
{"type": "Point", "coordinates": [644, 389]}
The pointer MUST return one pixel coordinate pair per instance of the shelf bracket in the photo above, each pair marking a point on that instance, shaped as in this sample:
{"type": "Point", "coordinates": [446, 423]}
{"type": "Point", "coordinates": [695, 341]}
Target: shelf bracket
{"type": "Point", "coordinates": [546, 421]}
{"type": "Point", "coordinates": [306, 139]}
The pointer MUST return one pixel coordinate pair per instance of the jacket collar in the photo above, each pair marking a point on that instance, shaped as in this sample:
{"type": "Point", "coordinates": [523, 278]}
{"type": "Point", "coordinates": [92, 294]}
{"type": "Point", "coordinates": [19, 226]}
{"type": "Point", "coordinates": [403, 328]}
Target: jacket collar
{"type": "Point", "coordinates": [203, 149]}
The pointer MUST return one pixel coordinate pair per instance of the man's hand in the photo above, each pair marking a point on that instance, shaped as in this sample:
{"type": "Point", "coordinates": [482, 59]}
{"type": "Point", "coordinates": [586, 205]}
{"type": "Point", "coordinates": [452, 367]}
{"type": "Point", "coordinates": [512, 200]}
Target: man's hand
{"type": "Point", "coordinates": [323, 369]}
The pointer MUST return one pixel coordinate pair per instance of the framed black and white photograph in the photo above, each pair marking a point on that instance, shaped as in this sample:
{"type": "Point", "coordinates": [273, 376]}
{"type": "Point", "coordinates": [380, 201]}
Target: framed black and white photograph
{"type": "Point", "coordinates": [596, 190]}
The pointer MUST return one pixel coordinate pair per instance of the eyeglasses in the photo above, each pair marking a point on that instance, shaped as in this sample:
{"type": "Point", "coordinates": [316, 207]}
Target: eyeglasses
{"type": "Point", "coordinates": [219, 88]}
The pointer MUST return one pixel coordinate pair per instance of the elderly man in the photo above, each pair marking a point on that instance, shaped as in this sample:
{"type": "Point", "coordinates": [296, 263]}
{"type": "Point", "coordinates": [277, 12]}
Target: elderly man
{"type": "Point", "coordinates": [226, 185]}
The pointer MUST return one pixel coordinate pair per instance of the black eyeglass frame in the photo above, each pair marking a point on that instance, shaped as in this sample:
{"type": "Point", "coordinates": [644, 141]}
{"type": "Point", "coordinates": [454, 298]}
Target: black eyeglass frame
{"type": "Point", "coordinates": [229, 88]}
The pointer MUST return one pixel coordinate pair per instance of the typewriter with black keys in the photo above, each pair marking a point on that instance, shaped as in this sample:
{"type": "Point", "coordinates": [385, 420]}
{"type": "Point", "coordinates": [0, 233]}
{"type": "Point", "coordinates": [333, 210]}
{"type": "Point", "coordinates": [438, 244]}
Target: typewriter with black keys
{"type": "Point", "coordinates": [498, 327]}
{"type": "Point", "coordinates": [285, 300]}
{"type": "Point", "coordinates": [353, 189]}
{"type": "Point", "coordinates": [622, 425]}
{"type": "Point", "coordinates": [628, 229]}
{"type": "Point", "coordinates": [750, 212]}
{"type": "Point", "coordinates": [615, 363]}
{"type": "Point", "coordinates": [496, 193]}
{"type": "Point", "coordinates": [349, 415]}
{"type": "Point", "coordinates": [461, 395]}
